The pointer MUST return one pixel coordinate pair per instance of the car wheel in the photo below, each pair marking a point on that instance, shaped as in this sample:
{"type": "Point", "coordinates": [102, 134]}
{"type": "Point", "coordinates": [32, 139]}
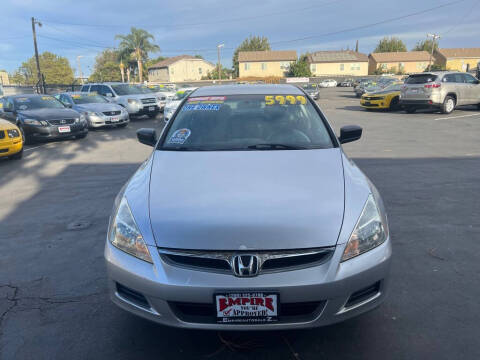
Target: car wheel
{"type": "Point", "coordinates": [478, 106]}
{"type": "Point", "coordinates": [448, 105]}
{"type": "Point", "coordinates": [18, 155]}
{"type": "Point", "coordinates": [152, 116]}
{"type": "Point", "coordinates": [394, 105]}
{"type": "Point", "coordinates": [410, 110]}
{"type": "Point", "coordinates": [27, 140]}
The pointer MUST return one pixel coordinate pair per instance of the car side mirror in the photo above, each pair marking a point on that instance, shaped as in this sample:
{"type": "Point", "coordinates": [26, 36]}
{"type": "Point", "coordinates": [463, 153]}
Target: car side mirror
{"type": "Point", "coordinates": [350, 133]}
{"type": "Point", "coordinates": [147, 136]}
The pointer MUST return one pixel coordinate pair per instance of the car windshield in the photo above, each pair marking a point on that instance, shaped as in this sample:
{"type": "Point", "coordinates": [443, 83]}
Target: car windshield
{"type": "Point", "coordinates": [310, 86]}
{"type": "Point", "coordinates": [420, 79]}
{"type": "Point", "coordinates": [37, 102]}
{"type": "Point", "coordinates": [88, 98]}
{"type": "Point", "coordinates": [127, 89]}
{"type": "Point", "coordinates": [247, 122]}
{"type": "Point", "coordinates": [180, 94]}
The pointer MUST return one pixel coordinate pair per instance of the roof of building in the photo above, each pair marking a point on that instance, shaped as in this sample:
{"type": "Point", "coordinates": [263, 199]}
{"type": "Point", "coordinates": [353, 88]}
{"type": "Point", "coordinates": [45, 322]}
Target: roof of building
{"type": "Point", "coordinates": [169, 61]}
{"type": "Point", "coordinates": [460, 53]}
{"type": "Point", "coordinates": [247, 89]}
{"type": "Point", "coordinates": [401, 56]}
{"type": "Point", "coordinates": [336, 56]}
{"type": "Point", "coordinates": [267, 55]}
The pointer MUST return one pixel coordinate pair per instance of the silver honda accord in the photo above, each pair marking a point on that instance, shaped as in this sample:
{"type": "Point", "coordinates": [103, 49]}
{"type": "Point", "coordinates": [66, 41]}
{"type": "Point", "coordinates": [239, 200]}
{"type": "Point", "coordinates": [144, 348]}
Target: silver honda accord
{"type": "Point", "coordinates": [248, 215]}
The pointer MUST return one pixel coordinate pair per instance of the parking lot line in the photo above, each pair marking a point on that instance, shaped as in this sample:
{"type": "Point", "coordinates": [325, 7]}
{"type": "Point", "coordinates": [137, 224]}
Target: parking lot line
{"type": "Point", "coordinates": [35, 147]}
{"type": "Point", "coordinates": [455, 117]}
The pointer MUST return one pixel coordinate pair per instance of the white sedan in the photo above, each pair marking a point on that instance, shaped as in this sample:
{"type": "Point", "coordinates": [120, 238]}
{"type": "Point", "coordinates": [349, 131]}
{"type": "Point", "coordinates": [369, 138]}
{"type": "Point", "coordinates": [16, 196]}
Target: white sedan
{"type": "Point", "coordinates": [328, 83]}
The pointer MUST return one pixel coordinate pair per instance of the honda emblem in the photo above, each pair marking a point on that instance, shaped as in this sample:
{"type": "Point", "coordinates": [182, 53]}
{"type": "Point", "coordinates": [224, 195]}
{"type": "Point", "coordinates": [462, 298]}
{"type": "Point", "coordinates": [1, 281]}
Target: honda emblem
{"type": "Point", "coordinates": [245, 265]}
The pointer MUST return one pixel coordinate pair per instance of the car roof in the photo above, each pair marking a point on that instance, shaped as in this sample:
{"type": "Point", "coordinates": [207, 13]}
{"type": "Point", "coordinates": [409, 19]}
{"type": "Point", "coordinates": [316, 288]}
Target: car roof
{"type": "Point", "coordinates": [247, 89]}
{"type": "Point", "coordinates": [74, 93]}
{"type": "Point", "coordinates": [28, 95]}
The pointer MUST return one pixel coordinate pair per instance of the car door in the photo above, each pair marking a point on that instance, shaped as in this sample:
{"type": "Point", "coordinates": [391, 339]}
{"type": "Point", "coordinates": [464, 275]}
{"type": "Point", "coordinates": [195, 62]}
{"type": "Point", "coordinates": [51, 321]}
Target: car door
{"type": "Point", "coordinates": [472, 85]}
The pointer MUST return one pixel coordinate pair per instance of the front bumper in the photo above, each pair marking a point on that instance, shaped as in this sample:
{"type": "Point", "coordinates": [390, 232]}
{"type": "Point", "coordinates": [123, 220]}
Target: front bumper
{"type": "Point", "coordinates": [138, 109]}
{"type": "Point", "coordinates": [95, 121]}
{"type": "Point", "coordinates": [52, 132]}
{"type": "Point", "coordinates": [375, 104]}
{"type": "Point", "coordinates": [330, 285]}
{"type": "Point", "coordinates": [9, 147]}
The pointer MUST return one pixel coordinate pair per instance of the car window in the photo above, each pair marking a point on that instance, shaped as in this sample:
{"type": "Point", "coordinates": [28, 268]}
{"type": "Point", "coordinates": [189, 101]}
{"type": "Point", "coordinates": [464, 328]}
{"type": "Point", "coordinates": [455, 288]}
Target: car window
{"type": "Point", "coordinates": [85, 88]}
{"type": "Point", "coordinates": [236, 122]}
{"type": "Point", "coordinates": [421, 79]}
{"type": "Point", "coordinates": [126, 89]}
{"type": "Point", "coordinates": [88, 98]}
{"type": "Point", "coordinates": [104, 90]}
{"type": "Point", "coordinates": [95, 88]}
{"type": "Point", "coordinates": [37, 102]}
{"type": "Point", "coordinates": [469, 79]}
{"type": "Point", "coordinates": [453, 78]}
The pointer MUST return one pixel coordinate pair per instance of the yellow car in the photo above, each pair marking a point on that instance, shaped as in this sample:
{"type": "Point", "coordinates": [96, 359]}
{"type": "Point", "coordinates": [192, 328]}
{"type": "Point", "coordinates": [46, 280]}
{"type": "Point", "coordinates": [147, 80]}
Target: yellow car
{"type": "Point", "coordinates": [387, 98]}
{"type": "Point", "coordinates": [11, 140]}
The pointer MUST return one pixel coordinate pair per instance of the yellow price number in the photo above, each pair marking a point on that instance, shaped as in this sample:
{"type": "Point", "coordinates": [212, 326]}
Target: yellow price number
{"type": "Point", "coordinates": [285, 100]}
{"type": "Point", "coordinates": [47, 98]}
{"type": "Point", "coordinates": [76, 96]}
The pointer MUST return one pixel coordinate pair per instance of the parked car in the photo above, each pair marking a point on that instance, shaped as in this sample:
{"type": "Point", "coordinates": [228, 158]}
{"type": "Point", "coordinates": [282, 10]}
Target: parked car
{"type": "Point", "coordinates": [173, 103]}
{"type": "Point", "coordinates": [131, 97]}
{"type": "Point", "coordinates": [248, 215]}
{"type": "Point", "coordinates": [359, 81]}
{"type": "Point", "coordinates": [386, 98]}
{"type": "Point", "coordinates": [346, 83]}
{"type": "Point", "coordinates": [97, 109]}
{"type": "Point", "coordinates": [443, 90]}
{"type": "Point", "coordinates": [42, 117]}
{"type": "Point", "coordinates": [312, 90]}
{"type": "Point", "coordinates": [360, 88]}
{"type": "Point", "coordinates": [327, 83]}
{"type": "Point", "coordinates": [162, 93]}
{"type": "Point", "coordinates": [11, 140]}
{"type": "Point", "coordinates": [378, 85]}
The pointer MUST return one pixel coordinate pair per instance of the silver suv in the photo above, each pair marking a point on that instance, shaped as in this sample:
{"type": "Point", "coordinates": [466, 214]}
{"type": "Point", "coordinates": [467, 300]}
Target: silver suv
{"type": "Point", "coordinates": [133, 98]}
{"type": "Point", "coordinates": [444, 90]}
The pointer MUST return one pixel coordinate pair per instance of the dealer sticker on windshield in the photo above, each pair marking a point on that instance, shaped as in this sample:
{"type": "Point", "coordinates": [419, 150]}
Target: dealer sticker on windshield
{"type": "Point", "coordinates": [252, 308]}
{"type": "Point", "coordinates": [179, 136]}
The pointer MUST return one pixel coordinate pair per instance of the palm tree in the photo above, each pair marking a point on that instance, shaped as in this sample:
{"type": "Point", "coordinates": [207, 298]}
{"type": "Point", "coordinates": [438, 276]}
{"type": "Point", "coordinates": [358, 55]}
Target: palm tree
{"type": "Point", "coordinates": [138, 44]}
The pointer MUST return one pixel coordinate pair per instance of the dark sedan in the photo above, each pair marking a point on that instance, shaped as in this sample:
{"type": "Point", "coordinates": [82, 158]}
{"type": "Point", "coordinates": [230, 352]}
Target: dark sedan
{"type": "Point", "coordinates": [42, 117]}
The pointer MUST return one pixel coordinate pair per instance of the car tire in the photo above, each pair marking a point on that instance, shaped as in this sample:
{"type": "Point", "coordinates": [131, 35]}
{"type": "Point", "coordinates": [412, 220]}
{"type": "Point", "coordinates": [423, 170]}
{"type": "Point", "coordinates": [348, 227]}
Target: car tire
{"type": "Point", "coordinates": [478, 106]}
{"type": "Point", "coordinates": [394, 104]}
{"type": "Point", "coordinates": [448, 105]}
{"type": "Point", "coordinates": [27, 140]}
{"type": "Point", "coordinates": [18, 155]}
{"type": "Point", "coordinates": [152, 116]}
{"type": "Point", "coordinates": [410, 110]}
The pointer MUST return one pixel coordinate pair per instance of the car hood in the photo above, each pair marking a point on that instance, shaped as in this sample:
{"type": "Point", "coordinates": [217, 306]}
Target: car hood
{"type": "Point", "coordinates": [384, 92]}
{"type": "Point", "coordinates": [97, 107]}
{"type": "Point", "coordinates": [230, 200]}
{"type": "Point", "coordinates": [49, 114]}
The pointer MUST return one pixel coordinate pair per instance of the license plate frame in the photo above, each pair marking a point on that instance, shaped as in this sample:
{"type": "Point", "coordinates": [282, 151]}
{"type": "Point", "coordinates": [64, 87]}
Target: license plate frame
{"type": "Point", "coordinates": [114, 119]}
{"type": "Point", "coordinates": [151, 108]}
{"type": "Point", "coordinates": [271, 316]}
{"type": "Point", "coordinates": [64, 129]}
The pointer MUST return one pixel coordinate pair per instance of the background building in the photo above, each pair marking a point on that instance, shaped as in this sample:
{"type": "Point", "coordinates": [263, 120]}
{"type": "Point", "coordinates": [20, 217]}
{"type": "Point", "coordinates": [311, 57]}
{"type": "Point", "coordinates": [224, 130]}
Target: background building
{"type": "Point", "coordinates": [345, 62]}
{"type": "Point", "coordinates": [179, 68]}
{"type": "Point", "coordinates": [265, 63]}
{"type": "Point", "coordinates": [462, 59]}
{"type": "Point", "coordinates": [405, 62]}
{"type": "Point", "coordinates": [4, 78]}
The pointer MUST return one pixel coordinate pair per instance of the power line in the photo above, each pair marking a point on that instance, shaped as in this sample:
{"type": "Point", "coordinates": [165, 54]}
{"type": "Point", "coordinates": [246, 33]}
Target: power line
{"type": "Point", "coordinates": [463, 18]}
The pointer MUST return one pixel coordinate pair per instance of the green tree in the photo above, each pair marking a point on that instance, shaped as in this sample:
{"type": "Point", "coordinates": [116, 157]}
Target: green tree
{"type": "Point", "coordinates": [107, 67]}
{"type": "Point", "coordinates": [300, 67]}
{"type": "Point", "coordinates": [213, 75]}
{"type": "Point", "coordinates": [392, 44]}
{"type": "Point", "coordinates": [253, 43]}
{"type": "Point", "coordinates": [425, 45]}
{"type": "Point", "coordinates": [139, 44]}
{"type": "Point", "coordinates": [55, 68]}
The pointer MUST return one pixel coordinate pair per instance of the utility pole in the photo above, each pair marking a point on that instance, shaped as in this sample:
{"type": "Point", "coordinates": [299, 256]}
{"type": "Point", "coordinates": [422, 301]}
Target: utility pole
{"type": "Point", "coordinates": [39, 74]}
{"type": "Point", "coordinates": [219, 46]}
{"type": "Point", "coordinates": [434, 38]}
{"type": "Point", "coordinates": [79, 66]}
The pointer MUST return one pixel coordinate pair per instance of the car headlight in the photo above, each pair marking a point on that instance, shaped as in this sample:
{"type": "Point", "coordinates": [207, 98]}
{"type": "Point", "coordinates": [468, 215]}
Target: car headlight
{"type": "Point", "coordinates": [132, 101]}
{"type": "Point", "coordinates": [124, 233]}
{"type": "Point", "coordinates": [32, 122]}
{"type": "Point", "coordinates": [369, 232]}
{"type": "Point", "coordinates": [13, 133]}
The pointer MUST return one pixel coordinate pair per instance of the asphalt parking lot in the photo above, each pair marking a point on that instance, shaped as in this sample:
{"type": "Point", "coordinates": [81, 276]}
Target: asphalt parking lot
{"type": "Point", "coordinates": [55, 204]}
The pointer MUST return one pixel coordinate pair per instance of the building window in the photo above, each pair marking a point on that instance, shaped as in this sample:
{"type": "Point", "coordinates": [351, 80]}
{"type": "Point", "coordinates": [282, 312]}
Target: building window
{"type": "Point", "coordinates": [264, 66]}
{"type": "Point", "coordinates": [383, 66]}
{"type": "Point", "coordinates": [200, 71]}
{"type": "Point", "coordinates": [342, 67]}
{"type": "Point", "coordinates": [354, 67]}
{"type": "Point", "coordinates": [246, 66]}
{"type": "Point", "coordinates": [313, 67]}
{"type": "Point", "coordinates": [285, 65]}
{"type": "Point", "coordinates": [421, 65]}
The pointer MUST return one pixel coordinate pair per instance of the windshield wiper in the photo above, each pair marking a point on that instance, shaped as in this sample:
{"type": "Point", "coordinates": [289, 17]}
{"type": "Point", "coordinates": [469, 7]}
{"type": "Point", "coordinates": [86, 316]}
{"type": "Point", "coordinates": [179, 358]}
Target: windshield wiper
{"type": "Point", "coordinates": [275, 147]}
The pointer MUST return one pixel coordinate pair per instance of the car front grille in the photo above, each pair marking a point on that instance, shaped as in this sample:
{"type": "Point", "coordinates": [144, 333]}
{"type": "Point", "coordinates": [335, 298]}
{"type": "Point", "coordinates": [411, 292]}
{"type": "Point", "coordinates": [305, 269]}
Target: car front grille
{"type": "Point", "coordinates": [111, 113]}
{"type": "Point", "coordinates": [2, 134]}
{"type": "Point", "coordinates": [373, 98]}
{"type": "Point", "coordinates": [149, 101]}
{"type": "Point", "coordinates": [62, 122]}
{"type": "Point", "coordinates": [205, 313]}
{"type": "Point", "coordinates": [269, 261]}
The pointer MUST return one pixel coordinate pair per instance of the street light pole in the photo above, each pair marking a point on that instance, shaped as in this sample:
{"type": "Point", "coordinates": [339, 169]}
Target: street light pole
{"type": "Point", "coordinates": [80, 75]}
{"type": "Point", "coordinates": [39, 74]}
{"type": "Point", "coordinates": [434, 38]}
{"type": "Point", "coordinates": [219, 46]}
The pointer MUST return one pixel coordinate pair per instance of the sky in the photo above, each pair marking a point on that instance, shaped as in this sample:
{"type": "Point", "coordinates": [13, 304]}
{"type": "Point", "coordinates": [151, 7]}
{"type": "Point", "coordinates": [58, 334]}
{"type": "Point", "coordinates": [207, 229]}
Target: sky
{"type": "Point", "coordinates": [84, 28]}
